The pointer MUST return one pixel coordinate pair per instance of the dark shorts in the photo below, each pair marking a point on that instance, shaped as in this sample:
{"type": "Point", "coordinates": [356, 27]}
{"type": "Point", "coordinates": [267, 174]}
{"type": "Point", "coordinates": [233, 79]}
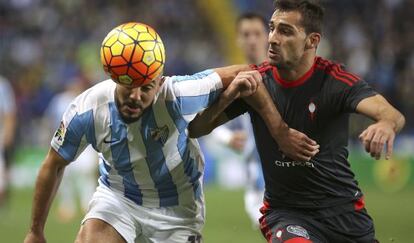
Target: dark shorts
{"type": "Point", "coordinates": [291, 226]}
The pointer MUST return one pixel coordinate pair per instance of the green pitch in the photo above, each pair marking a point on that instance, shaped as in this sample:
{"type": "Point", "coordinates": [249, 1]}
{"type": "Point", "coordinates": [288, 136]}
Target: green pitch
{"type": "Point", "coordinates": [226, 219]}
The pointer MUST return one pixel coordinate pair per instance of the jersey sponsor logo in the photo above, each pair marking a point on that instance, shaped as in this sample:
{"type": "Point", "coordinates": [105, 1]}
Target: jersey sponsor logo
{"type": "Point", "coordinates": [294, 164]}
{"type": "Point", "coordinates": [298, 230]}
{"type": "Point", "coordinates": [60, 134]}
{"type": "Point", "coordinates": [160, 134]}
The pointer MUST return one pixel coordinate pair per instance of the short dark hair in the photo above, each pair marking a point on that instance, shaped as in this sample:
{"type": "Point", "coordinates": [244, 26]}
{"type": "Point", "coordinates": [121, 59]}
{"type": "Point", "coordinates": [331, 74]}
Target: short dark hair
{"type": "Point", "coordinates": [312, 13]}
{"type": "Point", "coordinates": [251, 16]}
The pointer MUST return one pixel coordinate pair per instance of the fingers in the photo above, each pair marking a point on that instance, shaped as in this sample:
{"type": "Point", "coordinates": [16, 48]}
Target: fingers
{"type": "Point", "coordinates": [257, 76]}
{"type": "Point", "coordinates": [304, 155]}
{"type": "Point", "coordinates": [309, 141]}
{"type": "Point", "coordinates": [298, 146]}
{"type": "Point", "coordinates": [375, 146]}
{"type": "Point", "coordinates": [303, 137]}
{"type": "Point", "coordinates": [374, 139]}
{"type": "Point", "coordinates": [380, 147]}
{"type": "Point", "coordinates": [252, 83]}
{"type": "Point", "coordinates": [390, 145]}
{"type": "Point", "coordinates": [310, 150]}
{"type": "Point", "coordinates": [250, 79]}
{"type": "Point", "coordinates": [366, 138]}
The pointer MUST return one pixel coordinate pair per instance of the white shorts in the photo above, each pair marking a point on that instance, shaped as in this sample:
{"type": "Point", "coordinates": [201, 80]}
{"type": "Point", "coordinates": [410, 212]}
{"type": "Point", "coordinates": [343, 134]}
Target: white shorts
{"type": "Point", "coordinates": [142, 224]}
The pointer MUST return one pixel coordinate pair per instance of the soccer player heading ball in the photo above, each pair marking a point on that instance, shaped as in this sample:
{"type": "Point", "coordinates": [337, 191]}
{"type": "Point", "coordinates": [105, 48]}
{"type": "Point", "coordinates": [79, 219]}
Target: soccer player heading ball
{"type": "Point", "coordinates": [150, 185]}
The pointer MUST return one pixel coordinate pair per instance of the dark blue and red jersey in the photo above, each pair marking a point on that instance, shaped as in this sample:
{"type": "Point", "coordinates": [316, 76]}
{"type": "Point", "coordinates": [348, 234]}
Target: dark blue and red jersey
{"type": "Point", "coordinates": [318, 104]}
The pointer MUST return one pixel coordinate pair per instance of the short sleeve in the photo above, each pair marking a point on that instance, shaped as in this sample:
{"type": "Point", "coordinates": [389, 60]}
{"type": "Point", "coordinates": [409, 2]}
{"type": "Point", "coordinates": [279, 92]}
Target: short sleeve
{"type": "Point", "coordinates": [70, 139]}
{"type": "Point", "coordinates": [355, 93]}
{"type": "Point", "coordinates": [236, 108]}
{"type": "Point", "coordinates": [194, 93]}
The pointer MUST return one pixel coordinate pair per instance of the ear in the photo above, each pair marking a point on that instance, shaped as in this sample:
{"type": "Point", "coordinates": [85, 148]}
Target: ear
{"type": "Point", "coordinates": [312, 40]}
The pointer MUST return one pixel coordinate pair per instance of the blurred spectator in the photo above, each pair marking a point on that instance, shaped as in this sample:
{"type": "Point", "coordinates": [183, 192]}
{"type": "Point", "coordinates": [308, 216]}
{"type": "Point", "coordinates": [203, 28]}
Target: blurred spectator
{"type": "Point", "coordinates": [7, 128]}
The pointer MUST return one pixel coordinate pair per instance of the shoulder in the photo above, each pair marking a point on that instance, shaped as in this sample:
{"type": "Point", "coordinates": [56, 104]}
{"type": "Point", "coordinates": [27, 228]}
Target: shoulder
{"type": "Point", "coordinates": [98, 95]}
{"type": "Point", "coordinates": [335, 74]}
{"type": "Point", "coordinates": [263, 67]}
{"type": "Point", "coordinates": [196, 76]}
{"type": "Point", "coordinates": [200, 83]}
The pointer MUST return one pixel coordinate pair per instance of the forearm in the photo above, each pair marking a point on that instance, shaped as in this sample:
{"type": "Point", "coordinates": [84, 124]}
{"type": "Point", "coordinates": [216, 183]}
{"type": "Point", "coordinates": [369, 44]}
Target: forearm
{"type": "Point", "coordinates": [393, 116]}
{"type": "Point", "coordinates": [210, 118]}
{"type": "Point", "coordinates": [378, 108]}
{"type": "Point", "coordinates": [47, 183]}
{"type": "Point", "coordinates": [227, 74]}
{"type": "Point", "coordinates": [263, 104]}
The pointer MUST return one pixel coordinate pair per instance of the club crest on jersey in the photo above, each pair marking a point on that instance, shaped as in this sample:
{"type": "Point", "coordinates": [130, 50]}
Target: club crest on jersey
{"type": "Point", "coordinates": [60, 134]}
{"type": "Point", "coordinates": [298, 230]}
{"type": "Point", "coordinates": [160, 134]}
{"type": "Point", "coordinates": [312, 110]}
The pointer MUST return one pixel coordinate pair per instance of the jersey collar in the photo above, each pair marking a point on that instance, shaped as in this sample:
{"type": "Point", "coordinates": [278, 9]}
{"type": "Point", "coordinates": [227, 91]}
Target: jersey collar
{"type": "Point", "coordinates": [295, 83]}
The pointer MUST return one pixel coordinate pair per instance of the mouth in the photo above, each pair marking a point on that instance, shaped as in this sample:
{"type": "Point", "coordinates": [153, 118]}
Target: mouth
{"type": "Point", "coordinates": [273, 54]}
{"type": "Point", "coordinates": [133, 108]}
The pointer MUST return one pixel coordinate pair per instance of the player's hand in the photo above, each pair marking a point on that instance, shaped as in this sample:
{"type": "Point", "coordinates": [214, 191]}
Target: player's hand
{"type": "Point", "coordinates": [32, 237]}
{"type": "Point", "coordinates": [376, 136]}
{"type": "Point", "coordinates": [238, 140]}
{"type": "Point", "coordinates": [296, 145]}
{"type": "Point", "coordinates": [245, 84]}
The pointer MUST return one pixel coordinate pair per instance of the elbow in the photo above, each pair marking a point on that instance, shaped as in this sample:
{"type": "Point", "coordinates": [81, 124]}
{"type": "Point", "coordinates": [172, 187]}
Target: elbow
{"type": "Point", "coordinates": [194, 132]}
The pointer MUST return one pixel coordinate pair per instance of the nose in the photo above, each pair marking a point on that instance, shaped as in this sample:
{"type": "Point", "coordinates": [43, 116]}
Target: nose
{"type": "Point", "coordinates": [135, 94]}
{"type": "Point", "coordinates": [274, 38]}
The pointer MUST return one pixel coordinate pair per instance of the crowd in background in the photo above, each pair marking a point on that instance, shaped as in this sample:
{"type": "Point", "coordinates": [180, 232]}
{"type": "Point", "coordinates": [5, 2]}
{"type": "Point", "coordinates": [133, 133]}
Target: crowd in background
{"type": "Point", "coordinates": [46, 44]}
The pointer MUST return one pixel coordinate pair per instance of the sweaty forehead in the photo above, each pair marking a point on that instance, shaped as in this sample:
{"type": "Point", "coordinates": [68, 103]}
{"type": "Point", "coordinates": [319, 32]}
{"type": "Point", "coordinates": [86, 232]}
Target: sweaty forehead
{"type": "Point", "coordinates": [292, 18]}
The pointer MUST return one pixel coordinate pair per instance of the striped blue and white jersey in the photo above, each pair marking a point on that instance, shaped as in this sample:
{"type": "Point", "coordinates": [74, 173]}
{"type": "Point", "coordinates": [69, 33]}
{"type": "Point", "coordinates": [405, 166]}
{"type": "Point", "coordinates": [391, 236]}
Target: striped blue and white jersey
{"type": "Point", "coordinates": [151, 161]}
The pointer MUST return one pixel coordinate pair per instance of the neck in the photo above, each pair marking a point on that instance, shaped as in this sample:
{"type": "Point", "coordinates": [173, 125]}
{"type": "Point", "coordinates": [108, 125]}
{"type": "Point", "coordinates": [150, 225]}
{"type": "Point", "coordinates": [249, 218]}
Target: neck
{"type": "Point", "coordinates": [305, 64]}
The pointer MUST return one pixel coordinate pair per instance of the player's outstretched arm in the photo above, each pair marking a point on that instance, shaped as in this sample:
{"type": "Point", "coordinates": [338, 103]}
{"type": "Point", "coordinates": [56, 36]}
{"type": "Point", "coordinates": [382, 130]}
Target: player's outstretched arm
{"type": "Point", "coordinates": [389, 121]}
{"type": "Point", "coordinates": [292, 143]}
{"type": "Point", "coordinates": [47, 183]}
{"type": "Point", "coordinates": [244, 84]}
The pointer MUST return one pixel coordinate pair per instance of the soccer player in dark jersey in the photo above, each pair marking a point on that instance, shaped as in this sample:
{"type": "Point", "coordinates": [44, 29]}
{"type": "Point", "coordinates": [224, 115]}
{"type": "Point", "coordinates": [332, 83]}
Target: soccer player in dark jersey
{"type": "Point", "coordinates": [317, 200]}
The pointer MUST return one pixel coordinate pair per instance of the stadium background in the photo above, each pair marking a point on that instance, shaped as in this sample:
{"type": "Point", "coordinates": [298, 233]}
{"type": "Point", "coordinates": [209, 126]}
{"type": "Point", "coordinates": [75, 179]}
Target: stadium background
{"type": "Point", "coordinates": [46, 44]}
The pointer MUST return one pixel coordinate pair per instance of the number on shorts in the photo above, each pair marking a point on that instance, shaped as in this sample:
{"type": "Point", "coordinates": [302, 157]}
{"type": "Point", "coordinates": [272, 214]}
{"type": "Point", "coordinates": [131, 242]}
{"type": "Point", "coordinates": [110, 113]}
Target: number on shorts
{"type": "Point", "coordinates": [194, 239]}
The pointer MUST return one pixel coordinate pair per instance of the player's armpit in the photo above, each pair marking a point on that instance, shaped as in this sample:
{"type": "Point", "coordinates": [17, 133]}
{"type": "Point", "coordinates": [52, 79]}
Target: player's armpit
{"type": "Point", "coordinates": [389, 121]}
